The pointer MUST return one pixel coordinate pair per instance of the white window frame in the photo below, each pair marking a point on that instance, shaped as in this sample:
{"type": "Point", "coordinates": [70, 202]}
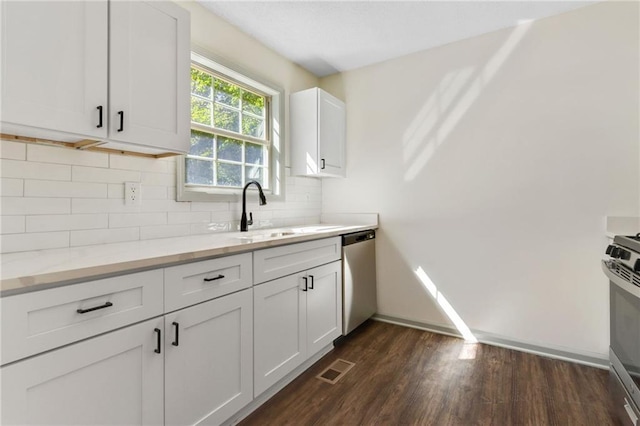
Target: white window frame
{"type": "Point", "coordinates": [276, 126]}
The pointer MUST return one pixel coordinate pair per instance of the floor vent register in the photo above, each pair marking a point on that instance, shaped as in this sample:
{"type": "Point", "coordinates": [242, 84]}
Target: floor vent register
{"type": "Point", "coordinates": [335, 371]}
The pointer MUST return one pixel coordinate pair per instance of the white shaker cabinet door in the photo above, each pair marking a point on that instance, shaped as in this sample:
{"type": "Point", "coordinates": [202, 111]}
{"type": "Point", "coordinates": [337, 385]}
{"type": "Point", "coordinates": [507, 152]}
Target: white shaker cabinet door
{"type": "Point", "coordinates": [331, 134]}
{"type": "Point", "coordinates": [279, 329]}
{"type": "Point", "coordinates": [324, 306]}
{"type": "Point", "coordinates": [54, 65]}
{"type": "Point", "coordinates": [208, 360]}
{"type": "Point", "coordinates": [116, 378]}
{"type": "Point", "coordinates": [149, 74]}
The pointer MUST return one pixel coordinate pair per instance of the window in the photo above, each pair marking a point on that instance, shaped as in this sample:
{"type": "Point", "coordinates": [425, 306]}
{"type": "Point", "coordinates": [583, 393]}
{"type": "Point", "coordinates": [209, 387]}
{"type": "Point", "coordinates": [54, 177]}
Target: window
{"type": "Point", "coordinates": [235, 134]}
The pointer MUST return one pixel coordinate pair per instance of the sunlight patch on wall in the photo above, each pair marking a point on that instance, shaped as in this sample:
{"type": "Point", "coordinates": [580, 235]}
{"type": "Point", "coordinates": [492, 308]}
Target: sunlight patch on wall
{"type": "Point", "coordinates": [445, 306]}
{"type": "Point", "coordinates": [440, 115]}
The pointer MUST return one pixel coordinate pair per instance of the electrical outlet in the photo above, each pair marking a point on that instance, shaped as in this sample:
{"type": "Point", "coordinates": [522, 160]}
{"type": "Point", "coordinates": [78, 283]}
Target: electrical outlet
{"type": "Point", "coordinates": [132, 194]}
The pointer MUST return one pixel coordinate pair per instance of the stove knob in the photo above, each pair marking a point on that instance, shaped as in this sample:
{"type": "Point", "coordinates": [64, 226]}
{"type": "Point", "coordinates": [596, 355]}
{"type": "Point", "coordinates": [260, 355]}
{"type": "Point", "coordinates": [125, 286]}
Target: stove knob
{"type": "Point", "coordinates": [615, 252]}
{"type": "Point", "coordinates": [636, 267]}
{"type": "Point", "coordinates": [624, 254]}
{"type": "Point", "coordinates": [609, 249]}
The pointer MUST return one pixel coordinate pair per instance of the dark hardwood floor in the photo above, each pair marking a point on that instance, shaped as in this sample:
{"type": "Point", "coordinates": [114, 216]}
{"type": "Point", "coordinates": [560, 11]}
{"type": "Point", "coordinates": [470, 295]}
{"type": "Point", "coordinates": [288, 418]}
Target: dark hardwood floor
{"type": "Point", "coordinates": [405, 376]}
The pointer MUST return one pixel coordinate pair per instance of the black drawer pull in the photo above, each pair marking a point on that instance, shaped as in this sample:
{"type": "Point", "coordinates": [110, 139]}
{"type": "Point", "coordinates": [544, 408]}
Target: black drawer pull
{"type": "Point", "coordinates": [305, 284]}
{"type": "Point", "coordinates": [158, 348]}
{"type": "Point", "coordinates": [311, 286]}
{"type": "Point", "coordinates": [177, 341]}
{"type": "Point", "coordinates": [219, 277]}
{"type": "Point", "coordinates": [84, 311]}
{"type": "Point", "coordinates": [100, 116]}
{"type": "Point", "coordinates": [322, 167]}
{"type": "Point", "coordinates": [121, 114]}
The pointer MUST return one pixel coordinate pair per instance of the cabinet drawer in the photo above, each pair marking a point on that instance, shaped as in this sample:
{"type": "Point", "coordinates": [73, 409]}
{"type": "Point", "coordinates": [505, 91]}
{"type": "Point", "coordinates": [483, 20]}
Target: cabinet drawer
{"type": "Point", "coordinates": [196, 282]}
{"type": "Point", "coordinates": [43, 320]}
{"type": "Point", "coordinates": [277, 262]}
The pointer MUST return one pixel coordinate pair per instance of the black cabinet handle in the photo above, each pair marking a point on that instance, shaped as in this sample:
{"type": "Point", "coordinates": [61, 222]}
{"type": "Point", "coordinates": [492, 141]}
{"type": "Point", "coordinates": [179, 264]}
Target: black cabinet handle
{"type": "Point", "coordinates": [322, 160]}
{"type": "Point", "coordinates": [99, 116]}
{"type": "Point", "coordinates": [311, 286]}
{"type": "Point", "coordinates": [219, 277]}
{"type": "Point", "coordinates": [158, 348]}
{"type": "Point", "coordinates": [177, 341]}
{"type": "Point", "coordinates": [84, 311]}
{"type": "Point", "coordinates": [121, 114]}
{"type": "Point", "coordinates": [305, 284]}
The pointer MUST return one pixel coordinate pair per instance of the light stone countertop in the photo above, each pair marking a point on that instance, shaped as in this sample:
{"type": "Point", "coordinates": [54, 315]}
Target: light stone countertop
{"type": "Point", "coordinates": [36, 270]}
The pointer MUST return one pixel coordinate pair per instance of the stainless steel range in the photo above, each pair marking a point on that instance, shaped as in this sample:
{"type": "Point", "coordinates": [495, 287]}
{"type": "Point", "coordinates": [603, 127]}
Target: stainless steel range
{"type": "Point", "coordinates": [623, 270]}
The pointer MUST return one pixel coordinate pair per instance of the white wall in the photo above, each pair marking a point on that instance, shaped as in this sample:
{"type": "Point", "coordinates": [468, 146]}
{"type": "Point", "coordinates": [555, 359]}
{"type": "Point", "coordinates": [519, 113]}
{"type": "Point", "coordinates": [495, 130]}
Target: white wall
{"type": "Point", "coordinates": [493, 162]}
{"type": "Point", "coordinates": [55, 197]}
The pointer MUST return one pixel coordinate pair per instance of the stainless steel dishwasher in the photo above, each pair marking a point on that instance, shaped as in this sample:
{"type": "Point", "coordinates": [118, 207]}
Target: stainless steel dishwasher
{"type": "Point", "coordinates": [359, 300]}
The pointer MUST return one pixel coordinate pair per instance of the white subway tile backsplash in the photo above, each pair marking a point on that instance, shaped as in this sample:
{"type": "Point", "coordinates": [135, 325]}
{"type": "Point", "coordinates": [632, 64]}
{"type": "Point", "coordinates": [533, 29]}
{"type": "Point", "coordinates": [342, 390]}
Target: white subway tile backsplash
{"type": "Point", "coordinates": [10, 187]}
{"type": "Point", "coordinates": [31, 170]}
{"type": "Point", "coordinates": [188, 217]}
{"type": "Point", "coordinates": [25, 206]}
{"type": "Point", "coordinates": [36, 241]}
{"type": "Point", "coordinates": [13, 150]}
{"type": "Point", "coordinates": [54, 154]}
{"type": "Point", "coordinates": [164, 231]}
{"type": "Point", "coordinates": [116, 190]}
{"type": "Point", "coordinates": [209, 207]}
{"type": "Point", "coordinates": [44, 188]}
{"type": "Point", "coordinates": [44, 223]}
{"type": "Point", "coordinates": [163, 206]}
{"type": "Point", "coordinates": [12, 224]}
{"type": "Point", "coordinates": [94, 174]}
{"type": "Point", "coordinates": [57, 197]}
{"type": "Point", "coordinates": [123, 220]}
{"type": "Point", "coordinates": [154, 192]}
{"type": "Point", "coordinates": [104, 236]}
{"type": "Point", "coordinates": [126, 162]}
{"type": "Point", "coordinates": [160, 179]}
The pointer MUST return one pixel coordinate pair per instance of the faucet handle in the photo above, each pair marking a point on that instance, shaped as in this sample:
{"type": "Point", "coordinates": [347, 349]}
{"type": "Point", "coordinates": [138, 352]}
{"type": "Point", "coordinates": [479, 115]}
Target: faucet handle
{"type": "Point", "coordinates": [250, 221]}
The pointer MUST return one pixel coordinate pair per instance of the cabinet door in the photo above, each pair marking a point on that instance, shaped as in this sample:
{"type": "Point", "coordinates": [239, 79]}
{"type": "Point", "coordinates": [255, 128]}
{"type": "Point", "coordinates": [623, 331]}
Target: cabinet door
{"type": "Point", "coordinates": [279, 329]}
{"type": "Point", "coordinates": [208, 360]}
{"type": "Point", "coordinates": [54, 65]}
{"type": "Point", "coordinates": [331, 134]}
{"type": "Point", "coordinates": [149, 74]}
{"type": "Point", "coordinates": [324, 306]}
{"type": "Point", "coordinates": [116, 378]}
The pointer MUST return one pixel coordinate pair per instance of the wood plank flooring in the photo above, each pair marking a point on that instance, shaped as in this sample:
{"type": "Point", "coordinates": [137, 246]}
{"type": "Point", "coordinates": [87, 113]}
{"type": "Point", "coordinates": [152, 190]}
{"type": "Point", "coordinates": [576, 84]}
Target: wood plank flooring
{"type": "Point", "coordinates": [405, 376]}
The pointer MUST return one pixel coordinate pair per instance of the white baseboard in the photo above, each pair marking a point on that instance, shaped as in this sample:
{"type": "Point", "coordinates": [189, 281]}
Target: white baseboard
{"type": "Point", "coordinates": [589, 359]}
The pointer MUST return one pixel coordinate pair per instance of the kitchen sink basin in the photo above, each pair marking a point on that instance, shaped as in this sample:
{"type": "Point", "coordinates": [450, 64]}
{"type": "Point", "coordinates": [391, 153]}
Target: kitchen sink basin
{"type": "Point", "coordinates": [257, 235]}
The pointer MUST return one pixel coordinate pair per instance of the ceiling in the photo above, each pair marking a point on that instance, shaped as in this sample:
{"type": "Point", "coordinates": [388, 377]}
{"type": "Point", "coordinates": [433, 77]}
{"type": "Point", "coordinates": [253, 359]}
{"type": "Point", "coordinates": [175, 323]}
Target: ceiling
{"type": "Point", "coordinates": [326, 37]}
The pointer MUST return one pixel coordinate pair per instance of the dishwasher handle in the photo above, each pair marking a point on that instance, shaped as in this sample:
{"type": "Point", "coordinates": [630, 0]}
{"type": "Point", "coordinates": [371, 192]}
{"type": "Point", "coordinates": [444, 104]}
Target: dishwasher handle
{"type": "Point", "coordinates": [358, 237]}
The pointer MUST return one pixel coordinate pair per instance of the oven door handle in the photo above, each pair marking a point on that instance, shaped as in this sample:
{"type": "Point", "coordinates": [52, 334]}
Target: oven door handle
{"type": "Point", "coordinates": [623, 284]}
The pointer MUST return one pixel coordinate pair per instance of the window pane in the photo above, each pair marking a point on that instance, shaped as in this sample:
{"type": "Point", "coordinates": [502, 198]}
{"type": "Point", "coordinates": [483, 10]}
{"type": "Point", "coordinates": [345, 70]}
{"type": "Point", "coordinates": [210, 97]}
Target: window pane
{"type": "Point", "coordinates": [201, 83]}
{"type": "Point", "coordinates": [226, 119]}
{"type": "Point", "coordinates": [254, 154]}
{"type": "Point", "coordinates": [252, 126]}
{"type": "Point", "coordinates": [253, 103]}
{"type": "Point", "coordinates": [229, 149]}
{"type": "Point", "coordinates": [200, 111]}
{"type": "Point", "coordinates": [199, 171]}
{"type": "Point", "coordinates": [254, 173]}
{"type": "Point", "coordinates": [201, 144]}
{"type": "Point", "coordinates": [229, 174]}
{"type": "Point", "coordinates": [227, 93]}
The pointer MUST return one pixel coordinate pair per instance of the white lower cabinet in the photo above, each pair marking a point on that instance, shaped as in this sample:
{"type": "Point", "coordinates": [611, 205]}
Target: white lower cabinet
{"type": "Point", "coordinates": [209, 360]}
{"type": "Point", "coordinates": [115, 378]}
{"type": "Point", "coordinates": [294, 318]}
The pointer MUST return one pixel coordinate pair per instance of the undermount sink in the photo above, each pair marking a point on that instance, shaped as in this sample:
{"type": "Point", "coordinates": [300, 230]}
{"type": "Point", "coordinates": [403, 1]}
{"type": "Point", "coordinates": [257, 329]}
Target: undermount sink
{"type": "Point", "coordinates": [266, 235]}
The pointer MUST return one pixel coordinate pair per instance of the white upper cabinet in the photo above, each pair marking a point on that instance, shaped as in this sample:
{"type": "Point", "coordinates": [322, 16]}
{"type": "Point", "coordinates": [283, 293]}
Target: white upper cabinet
{"type": "Point", "coordinates": [149, 74]}
{"type": "Point", "coordinates": [54, 65]}
{"type": "Point", "coordinates": [318, 132]}
{"type": "Point", "coordinates": [113, 71]}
